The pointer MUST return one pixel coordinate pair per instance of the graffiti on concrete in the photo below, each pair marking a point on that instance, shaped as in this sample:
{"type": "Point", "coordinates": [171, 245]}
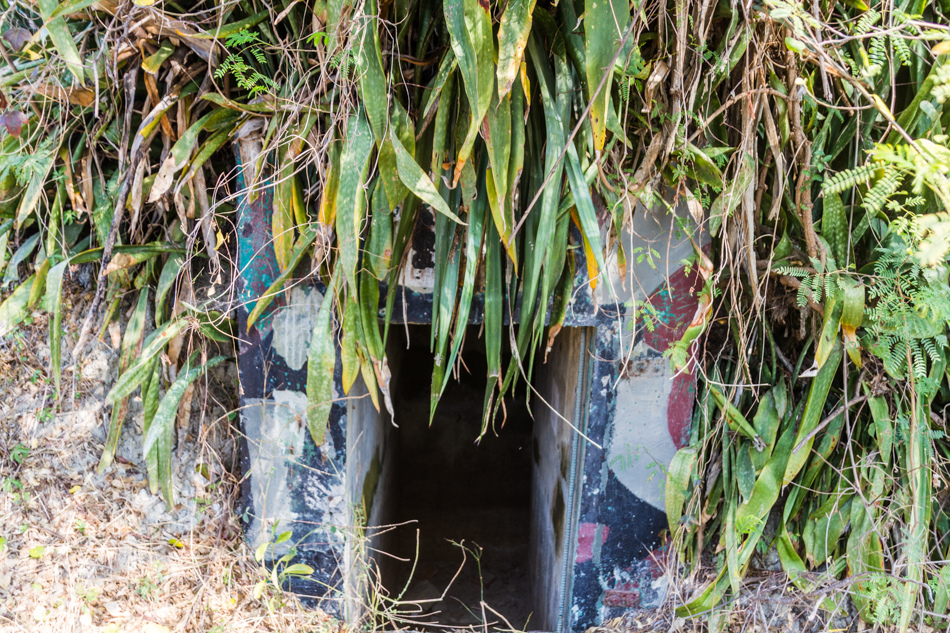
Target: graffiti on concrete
{"type": "Point", "coordinates": [635, 413]}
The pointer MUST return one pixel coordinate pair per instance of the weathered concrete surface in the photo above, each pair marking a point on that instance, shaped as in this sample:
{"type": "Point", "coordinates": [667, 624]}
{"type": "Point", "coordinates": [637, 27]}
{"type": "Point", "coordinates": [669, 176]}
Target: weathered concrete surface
{"type": "Point", "coordinates": [633, 414]}
{"type": "Point", "coordinates": [560, 382]}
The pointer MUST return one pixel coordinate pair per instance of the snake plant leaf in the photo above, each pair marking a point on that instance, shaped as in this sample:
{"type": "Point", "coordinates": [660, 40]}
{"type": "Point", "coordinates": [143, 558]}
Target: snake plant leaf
{"type": "Point", "coordinates": [352, 333]}
{"type": "Point", "coordinates": [496, 130]}
{"type": "Point", "coordinates": [164, 419]}
{"type": "Point", "coordinates": [728, 200]}
{"type": "Point", "coordinates": [766, 422]}
{"type": "Point", "coordinates": [792, 563]}
{"type": "Point", "coordinates": [282, 218]}
{"type": "Point", "coordinates": [440, 131]}
{"type": "Point", "coordinates": [161, 430]}
{"type": "Point", "coordinates": [829, 331]}
{"type": "Point", "coordinates": [378, 251]}
{"type": "Point", "coordinates": [34, 187]}
{"type": "Point", "coordinates": [369, 305]}
{"type": "Point", "coordinates": [134, 375]}
{"type": "Point", "coordinates": [150, 402]}
{"type": "Point", "coordinates": [605, 22]}
{"type": "Point", "coordinates": [434, 94]}
{"type": "Point", "coordinates": [735, 419]}
{"type": "Point", "coordinates": [166, 280]}
{"type": "Point", "coordinates": [374, 91]}
{"type": "Point", "coordinates": [395, 190]}
{"type": "Point", "coordinates": [337, 13]}
{"type": "Point", "coordinates": [350, 196]}
{"type": "Point", "coordinates": [54, 306]}
{"type": "Point", "coordinates": [473, 243]}
{"type": "Point", "coordinates": [586, 213]}
{"type": "Point", "coordinates": [39, 283]}
{"type": "Point", "coordinates": [505, 223]}
{"type": "Point", "coordinates": [407, 222]}
{"type": "Point", "coordinates": [224, 102]}
{"type": "Point", "coordinates": [512, 40]}
{"type": "Point", "coordinates": [469, 26]}
{"type": "Point", "coordinates": [708, 599]}
{"type": "Point", "coordinates": [19, 256]}
{"type": "Point", "coordinates": [852, 316]}
{"type": "Point", "coordinates": [182, 149]}
{"type": "Point", "coordinates": [153, 63]}
{"type": "Point", "coordinates": [131, 346]}
{"type": "Point", "coordinates": [321, 361]}
{"type": "Point", "coordinates": [547, 217]}
{"type": "Point", "coordinates": [62, 39]}
{"type": "Point", "coordinates": [821, 534]}
{"type": "Point", "coordinates": [416, 180]}
{"type": "Point", "coordinates": [205, 152]}
{"type": "Point", "coordinates": [326, 214]}
{"type": "Point", "coordinates": [817, 395]}
{"type": "Point", "coordinates": [865, 555]}
{"type": "Point", "coordinates": [376, 363]}
{"type": "Point", "coordinates": [768, 485]}
{"type": "Point", "coordinates": [678, 477]}
{"type": "Point", "coordinates": [13, 310]}
{"type": "Point", "coordinates": [494, 314]}
{"type": "Point", "coordinates": [704, 169]}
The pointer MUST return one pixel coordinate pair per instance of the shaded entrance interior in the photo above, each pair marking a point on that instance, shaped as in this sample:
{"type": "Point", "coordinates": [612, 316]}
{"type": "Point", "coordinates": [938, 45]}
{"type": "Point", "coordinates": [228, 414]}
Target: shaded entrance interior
{"type": "Point", "coordinates": [472, 522]}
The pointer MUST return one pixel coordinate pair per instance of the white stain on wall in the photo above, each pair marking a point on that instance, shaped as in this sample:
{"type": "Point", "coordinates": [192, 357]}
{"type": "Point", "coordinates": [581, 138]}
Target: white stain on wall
{"type": "Point", "coordinates": [276, 431]}
{"type": "Point", "coordinates": [293, 325]}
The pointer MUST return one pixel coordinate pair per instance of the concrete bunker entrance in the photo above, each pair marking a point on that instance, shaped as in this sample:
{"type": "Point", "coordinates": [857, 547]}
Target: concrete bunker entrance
{"type": "Point", "coordinates": [455, 520]}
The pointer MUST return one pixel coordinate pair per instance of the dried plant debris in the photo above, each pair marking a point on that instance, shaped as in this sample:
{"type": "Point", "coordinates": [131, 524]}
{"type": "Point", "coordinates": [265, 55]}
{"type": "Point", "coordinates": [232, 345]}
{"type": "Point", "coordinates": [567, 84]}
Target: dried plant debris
{"type": "Point", "coordinates": [807, 140]}
{"type": "Point", "coordinates": [82, 550]}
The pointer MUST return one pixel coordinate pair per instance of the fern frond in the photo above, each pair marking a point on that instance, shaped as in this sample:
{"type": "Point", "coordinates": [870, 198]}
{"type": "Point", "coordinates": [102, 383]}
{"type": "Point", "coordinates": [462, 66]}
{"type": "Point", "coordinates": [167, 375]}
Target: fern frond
{"type": "Point", "coordinates": [849, 178]}
{"type": "Point", "coordinates": [884, 188]}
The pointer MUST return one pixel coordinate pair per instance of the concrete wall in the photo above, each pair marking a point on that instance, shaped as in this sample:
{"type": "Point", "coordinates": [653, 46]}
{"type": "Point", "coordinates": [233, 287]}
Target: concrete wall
{"type": "Point", "coordinates": [369, 480]}
{"type": "Point", "coordinates": [637, 414]}
{"type": "Point", "coordinates": [552, 495]}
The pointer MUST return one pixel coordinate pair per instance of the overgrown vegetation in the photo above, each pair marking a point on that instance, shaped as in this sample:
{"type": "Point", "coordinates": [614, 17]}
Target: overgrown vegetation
{"type": "Point", "coordinates": [810, 138]}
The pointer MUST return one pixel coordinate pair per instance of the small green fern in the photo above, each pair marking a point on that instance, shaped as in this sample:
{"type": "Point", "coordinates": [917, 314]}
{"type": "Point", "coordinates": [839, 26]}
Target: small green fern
{"type": "Point", "coordinates": [248, 78]}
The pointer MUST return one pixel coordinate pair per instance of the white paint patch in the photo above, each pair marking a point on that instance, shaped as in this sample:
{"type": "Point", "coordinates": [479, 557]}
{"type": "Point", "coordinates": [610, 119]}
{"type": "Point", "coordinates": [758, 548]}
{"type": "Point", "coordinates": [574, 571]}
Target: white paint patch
{"type": "Point", "coordinates": [276, 431]}
{"type": "Point", "coordinates": [641, 448]}
{"type": "Point", "coordinates": [415, 279]}
{"type": "Point", "coordinates": [293, 325]}
{"type": "Point", "coordinates": [653, 250]}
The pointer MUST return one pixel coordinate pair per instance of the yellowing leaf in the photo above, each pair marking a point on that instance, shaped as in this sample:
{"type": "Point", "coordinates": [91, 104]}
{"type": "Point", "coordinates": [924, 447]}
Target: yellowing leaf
{"type": "Point", "coordinates": [512, 39]}
{"type": "Point", "coordinates": [605, 21]}
{"type": "Point", "coordinates": [416, 180]}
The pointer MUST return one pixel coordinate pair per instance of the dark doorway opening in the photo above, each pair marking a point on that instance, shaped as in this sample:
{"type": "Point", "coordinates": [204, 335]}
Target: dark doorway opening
{"type": "Point", "coordinates": [454, 522]}
{"type": "Point", "coordinates": [466, 505]}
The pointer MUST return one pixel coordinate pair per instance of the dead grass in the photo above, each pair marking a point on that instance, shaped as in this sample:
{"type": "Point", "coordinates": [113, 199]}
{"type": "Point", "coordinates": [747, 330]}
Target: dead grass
{"type": "Point", "coordinates": [89, 552]}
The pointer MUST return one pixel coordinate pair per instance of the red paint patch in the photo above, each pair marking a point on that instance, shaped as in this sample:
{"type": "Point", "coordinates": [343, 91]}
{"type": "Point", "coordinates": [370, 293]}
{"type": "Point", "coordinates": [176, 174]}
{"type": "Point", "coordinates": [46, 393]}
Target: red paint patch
{"type": "Point", "coordinates": [625, 599]}
{"type": "Point", "coordinates": [585, 540]}
{"type": "Point", "coordinates": [675, 305]}
{"type": "Point", "coordinates": [679, 408]}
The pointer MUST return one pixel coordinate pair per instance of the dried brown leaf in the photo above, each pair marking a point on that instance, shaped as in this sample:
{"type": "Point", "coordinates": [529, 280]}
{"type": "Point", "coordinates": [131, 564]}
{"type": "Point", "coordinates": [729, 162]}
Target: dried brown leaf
{"type": "Point", "coordinates": [17, 37]}
{"type": "Point", "coordinates": [76, 96]}
{"type": "Point", "coordinates": [13, 120]}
